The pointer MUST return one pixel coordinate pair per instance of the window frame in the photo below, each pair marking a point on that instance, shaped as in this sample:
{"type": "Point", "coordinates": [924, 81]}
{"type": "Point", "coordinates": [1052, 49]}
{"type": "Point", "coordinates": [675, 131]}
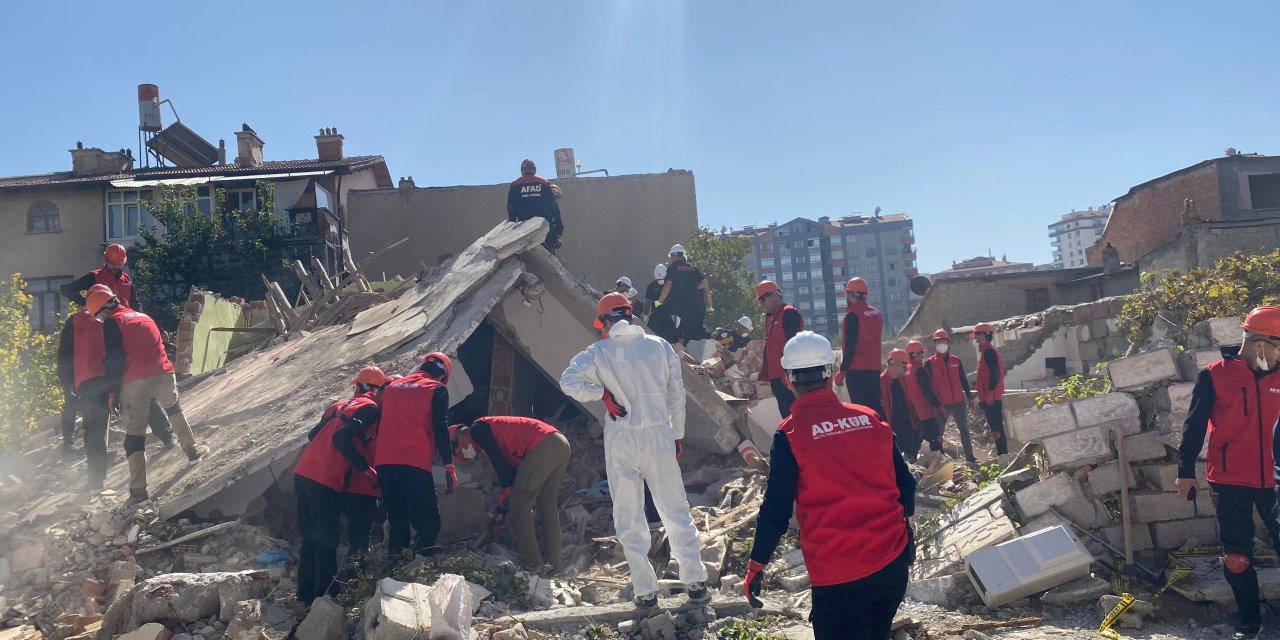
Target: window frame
{"type": "Point", "coordinates": [55, 217]}
{"type": "Point", "coordinates": [41, 298]}
{"type": "Point", "coordinates": [139, 197]}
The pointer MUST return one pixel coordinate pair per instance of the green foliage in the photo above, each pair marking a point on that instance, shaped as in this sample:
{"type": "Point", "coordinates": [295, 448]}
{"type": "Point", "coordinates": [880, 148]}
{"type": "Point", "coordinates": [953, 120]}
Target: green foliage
{"type": "Point", "coordinates": [1232, 287]}
{"type": "Point", "coordinates": [220, 250]}
{"type": "Point", "coordinates": [599, 632]}
{"type": "Point", "coordinates": [1073, 388]}
{"type": "Point", "coordinates": [29, 386]}
{"type": "Point", "coordinates": [723, 260]}
{"type": "Point", "coordinates": [988, 474]}
{"type": "Point", "coordinates": [743, 629]}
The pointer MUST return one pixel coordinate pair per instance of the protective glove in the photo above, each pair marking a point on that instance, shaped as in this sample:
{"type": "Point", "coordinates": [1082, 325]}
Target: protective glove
{"type": "Point", "coordinates": [679, 449]}
{"type": "Point", "coordinates": [840, 377]}
{"type": "Point", "coordinates": [711, 309]}
{"type": "Point", "coordinates": [751, 586]}
{"type": "Point", "coordinates": [371, 474]}
{"type": "Point", "coordinates": [611, 405]}
{"type": "Point", "coordinates": [559, 243]}
{"type": "Point", "coordinates": [450, 478]}
{"type": "Point", "coordinates": [503, 496]}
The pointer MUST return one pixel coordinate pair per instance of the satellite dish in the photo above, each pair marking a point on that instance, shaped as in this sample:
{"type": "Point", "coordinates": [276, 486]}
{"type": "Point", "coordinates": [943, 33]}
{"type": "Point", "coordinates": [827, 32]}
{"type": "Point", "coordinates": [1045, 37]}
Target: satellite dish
{"type": "Point", "coordinates": [920, 284]}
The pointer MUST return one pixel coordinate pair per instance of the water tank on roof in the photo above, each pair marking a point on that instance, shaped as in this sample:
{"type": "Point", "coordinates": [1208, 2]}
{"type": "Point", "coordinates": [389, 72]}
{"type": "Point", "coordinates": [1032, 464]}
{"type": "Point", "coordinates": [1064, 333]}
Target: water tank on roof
{"type": "Point", "coordinates": [566, 166]}
{"type": "Point", "coordinates": [149, 108]}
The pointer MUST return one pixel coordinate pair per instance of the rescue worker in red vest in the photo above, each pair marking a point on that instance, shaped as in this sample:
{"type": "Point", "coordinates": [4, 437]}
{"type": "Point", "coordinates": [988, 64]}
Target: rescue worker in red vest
{"type": "Point", "coordinates": [861, 329]}
{"type": "Point", "coordinates": [532, 196]}
{"type": "Point", "coordinates": [111, 273]}
{"type": "Point", "coordinates": [855, 531]}
{"type": "Point", "coordinates": [334, 465]}
{"type": "Point", "coordinates": [412, 432]}
{"type": "Point", "coordinates": [639, 379]}
{"type": "Point", "coordinates": [895, 402]}
{"type": "Point", "coordinates": [529, 457]}
{"type": "Point", "coordinates": [923, 399]}
{"type": "Point", "coordinates": [781, 323]}
{"type": "Point", "coordinates": [134, 351]}
{"type": "Point", "coordinates": [1236, 401]}
{"type": "Point", "coordinates": [991, 384]}
{"type": "Point", "coordinates": [951, 384]}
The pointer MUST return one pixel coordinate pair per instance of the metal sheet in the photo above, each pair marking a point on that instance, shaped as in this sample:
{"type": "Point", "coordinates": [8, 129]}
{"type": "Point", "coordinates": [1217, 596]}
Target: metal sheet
{"type": "Point", "coordinates": [174, 182]}
{"type": "Point", "coordinates": [273, 176]}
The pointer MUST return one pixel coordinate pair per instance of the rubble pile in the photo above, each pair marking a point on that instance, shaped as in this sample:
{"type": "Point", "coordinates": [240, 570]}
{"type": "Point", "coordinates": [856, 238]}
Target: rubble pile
{"type": "Point", "coordinates": [732, 372]}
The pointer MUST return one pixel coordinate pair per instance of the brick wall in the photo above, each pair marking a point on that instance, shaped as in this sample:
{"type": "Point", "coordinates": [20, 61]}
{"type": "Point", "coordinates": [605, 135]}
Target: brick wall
{"type": "Point", "coordinates": [1150, 216]}
{"type": "Point", "coordinates": [1203, 245]}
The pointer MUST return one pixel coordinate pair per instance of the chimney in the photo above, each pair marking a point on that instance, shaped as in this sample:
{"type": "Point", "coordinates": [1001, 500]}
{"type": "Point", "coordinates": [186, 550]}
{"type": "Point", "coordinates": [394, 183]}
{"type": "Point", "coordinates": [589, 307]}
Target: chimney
{"type": "Point", "coordinates": [329, 144]}
{"type": "Point", "coordinates": [94, 161]}
{"type": "Point", "coordinates": [222, 151]}
{"type": "Point", "coordinates": [406, 184]}
{"type": "Point", "coordinates": [250, 147]}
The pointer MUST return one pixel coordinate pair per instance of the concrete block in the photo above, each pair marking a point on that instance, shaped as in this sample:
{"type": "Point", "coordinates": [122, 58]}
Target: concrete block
{"type": "Point", "coordinates": [1172, 534]}
{"type": "Point", "coordinates": [1036, 425]}
{"type": "Point", "coordinates": [1162, 476]}
{"type": "Point", "coordinates": [1106, 479]}
{"type": "Point", "coordinates": [325, 621]}
{"type": "Point", "coordinates": [1143, 369]}
{"type": "Point", "coordinates": [1145, 446]}
{"type": "Point", "coordinates": [1053, 491]}
{"type": "Point", "coordinates": [1160, 507]}
{"type": "Point", "coordinates": [1225, 331]}
{"type": "Point", "coordinates": [1072, 593]}
{"type": "Point", "coordinates": [149, 631]}
{"type": "Point", "coordinates": [1140, 534]}
{"type": "Point", "coordinates": [1077, 448]}
{"type": "Point", "coordinates": [397, 611]}
{"type": "Point", "coordinates": [940, 591]}
{"type": "Point", "coordinates": [1108, 409]}
{"type": "Point", "coordinates": [1205, 357]}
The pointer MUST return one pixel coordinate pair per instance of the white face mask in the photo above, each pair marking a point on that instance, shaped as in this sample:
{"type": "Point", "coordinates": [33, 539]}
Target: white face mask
{"type": "Point", "coordinates": [941, 347]}
{"type": "Point", "coordinates": [468, 453]}
{"type": "Point", "coordinates": [1261, 363]}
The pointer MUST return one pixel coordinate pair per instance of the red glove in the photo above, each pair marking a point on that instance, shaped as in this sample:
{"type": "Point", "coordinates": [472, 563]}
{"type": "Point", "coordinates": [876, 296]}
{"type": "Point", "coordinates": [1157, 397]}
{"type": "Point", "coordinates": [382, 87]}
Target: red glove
{"type": "Point", "coordinates": [679, 448]}
{"type": "Point", "coordinates": [751, 586]}
{"type": "Point", "coordinates": [371, 474]}
{"type": "Point", "coordinates": [840, 377]}
{"type": "Point", "coordinates": [611, 405]}
{"type": "Point", "coordinates": [450, 478]}
{"type": "Point", "coordinates": [503, 495]}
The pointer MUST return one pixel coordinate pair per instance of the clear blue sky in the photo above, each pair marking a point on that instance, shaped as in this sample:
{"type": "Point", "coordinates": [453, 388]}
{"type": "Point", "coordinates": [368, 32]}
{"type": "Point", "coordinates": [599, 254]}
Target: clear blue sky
{"type": "Point", "coordinates": [984, 121]}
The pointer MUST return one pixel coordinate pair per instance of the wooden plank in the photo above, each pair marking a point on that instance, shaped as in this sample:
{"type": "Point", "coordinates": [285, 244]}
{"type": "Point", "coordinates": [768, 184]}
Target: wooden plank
{"type": "Point", "coordinates": [308, 283]}
{"type": "Point", "coordinates": [318, 269]}
{"type": "Point", "coordinates": [356, 274]}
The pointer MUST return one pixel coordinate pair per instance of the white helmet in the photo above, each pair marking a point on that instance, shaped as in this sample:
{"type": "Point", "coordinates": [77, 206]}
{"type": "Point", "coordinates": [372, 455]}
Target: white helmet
{"type": "Point", "coordinates": [624, 280]}
{"type": "Point", "coordinates": [676, 248]}
{"type": "Point", "coordinates": [746, 322]}
{"type": "Point", "coordinates": [660, 272]}
{"type": "Point", "coordinates": [805, 351]}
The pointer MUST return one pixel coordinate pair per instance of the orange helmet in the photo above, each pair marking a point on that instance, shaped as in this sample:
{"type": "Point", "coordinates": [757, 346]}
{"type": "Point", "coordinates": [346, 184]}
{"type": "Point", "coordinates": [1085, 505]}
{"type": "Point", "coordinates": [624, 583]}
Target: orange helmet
{"type": "Point", "coordinates": [99, 287]}
{"type": "Point", "coordinates": [115, 254]}
{"type": "Point", "coordinates": [392, 378]}
{"type": "Point", "coordinates": [1265, 320]}
{"type": "Point", "coordinates": [370, 375]}
{"type": "Point", "coordinates": [444, 362]}
{"type": "Point", "coordinates": [898, 355]}
{"type": "Point", "coordinates": [941, 334]}
{"type": "Point", "coordinates": [856, 285]}
{"type": "Point", "coordinates": [766, 287]}
{"type": "Point", "coordinates": [96, 300]}
{"type": "Point", "coordinates": [608, 303]}
{"type": "Point", "coordinates": [915, 347]}
{"type": "Point", "coordinates": [981, 327]}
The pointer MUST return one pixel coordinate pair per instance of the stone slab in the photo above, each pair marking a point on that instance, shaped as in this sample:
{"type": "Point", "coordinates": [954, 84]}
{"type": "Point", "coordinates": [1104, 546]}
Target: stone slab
{"type": "Point", "coordinates": [1139, 533]}
{"type": "Point", "coordinates": [940, 591]}
{"type": "Point", "coordinates": [1225, 331]}
{"type": "Point", "coordinates": [1053, 491]}
{"type": "Point", "coordinates": [1077, 448]}
{"type": "Point", "coordinates": [1172, 534]}
{"type": "Point", "coordinates": [1036, 425]}
{"type": "Point", "coordinates": [1160, 507]}
{"type": "Point", "coordinates": [1143, 369]}
{"type": "Point", "coordinates": [1163, 475]}
{"type": "Point", "coordinates": [1105, 479]}
{"type": "Point", "coordinates": [1106, 409]}
{"type": "Point", "coordinates": [1145, 446]}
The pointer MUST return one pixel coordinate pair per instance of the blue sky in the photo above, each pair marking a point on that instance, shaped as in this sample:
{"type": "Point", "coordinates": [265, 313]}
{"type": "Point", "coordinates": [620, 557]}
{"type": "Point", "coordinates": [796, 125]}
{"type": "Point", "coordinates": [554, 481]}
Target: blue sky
{"type": "Point", "coordinates": [984, 121]}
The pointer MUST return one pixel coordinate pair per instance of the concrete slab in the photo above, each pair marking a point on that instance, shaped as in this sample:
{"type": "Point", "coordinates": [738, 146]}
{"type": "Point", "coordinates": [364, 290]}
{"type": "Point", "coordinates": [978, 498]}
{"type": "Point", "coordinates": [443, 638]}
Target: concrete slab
{"type": "Point", "coordinates": [1139, 533]}
{"type": "Point", "coordinates": [1151, 506]}
{"type": "Point", "coordinates": [1143, 369]}
{"type": "Point", "coordinates": [1206, 583]}
{"type": "Point", "coordinates": [1053, 491]}
{"type": "Point", "coordinates": [1145, 446]}
{"type": "Point", "coordinates": [940, 591]}
{"type": "Point", "coordinates": [1172, 534]}
{"type": "Point", "coordinates": [1106, 479]}
{"type": "Point", "coordinates": [1164, 475]}
{"type": "Point", "coordinates": [1077, 448]}
{"type": "Point", "coordinates": [1106, 409]}
{"type": "Point", "coordinates": [1036, 425]}
{"type": "Point", "coordinates": [1225, 331]}
{"type": "Point", "coordinates": [577, 617]}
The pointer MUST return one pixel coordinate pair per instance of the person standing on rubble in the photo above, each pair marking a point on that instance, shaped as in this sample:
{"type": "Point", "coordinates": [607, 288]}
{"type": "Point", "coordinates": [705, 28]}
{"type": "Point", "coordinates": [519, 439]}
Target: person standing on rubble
{"type": "Point", "coordinates": [654, 291]}
{"type": "Point", "coordinates": [532, 196]}
{"type": "Point", "coordinates": [991, 384]}
{"type": "Point", "coordinates": [895, 402]}
{"type": "Point", "coordinates": [530, 458]}
{"type": "Point", "coordinates": [332, 477]}
{"type": "Point", "coordinates": [855, 528]}
{"type": "Point", "coordinates": [111, 274]}
{"type": "Point", "coordinates": [781, 323]}
{"type": "Point", "coordinates": [951, 385]}
{"type": "Point", "coordinates": [860, 363]}
{"type": "Point", "coordinates": [134, 354]}
{"type": "Point", "coordinates": [686, 295]}
{"type": "Point", "coordinates": [924, 402]}
{"type": "Point", "coordinates": [1236, 402]}
{"type": "Point", "coordinates": [412, 431]}
{"type": "Point", "coordinates": [638, 377]}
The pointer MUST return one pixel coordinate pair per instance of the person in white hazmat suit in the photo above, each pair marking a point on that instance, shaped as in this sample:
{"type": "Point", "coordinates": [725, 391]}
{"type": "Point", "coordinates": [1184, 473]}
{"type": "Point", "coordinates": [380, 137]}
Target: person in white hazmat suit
{"type": "Point", "coordinates": [638, 378]}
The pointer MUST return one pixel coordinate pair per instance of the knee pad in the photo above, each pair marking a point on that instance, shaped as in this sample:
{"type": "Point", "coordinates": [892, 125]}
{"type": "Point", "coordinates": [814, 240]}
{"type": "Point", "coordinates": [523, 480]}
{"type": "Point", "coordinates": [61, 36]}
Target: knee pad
{"type": "Point", "coordinates": [176, 408]}
{"type": "Point", "coordinates": [1236, 562]}
{"type": "Point", "coordinates": [134, 444]}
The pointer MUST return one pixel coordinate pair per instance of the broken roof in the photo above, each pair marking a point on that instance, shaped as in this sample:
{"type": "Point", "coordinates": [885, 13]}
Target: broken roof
{"type": "Point", "coordinates": [278, 168]}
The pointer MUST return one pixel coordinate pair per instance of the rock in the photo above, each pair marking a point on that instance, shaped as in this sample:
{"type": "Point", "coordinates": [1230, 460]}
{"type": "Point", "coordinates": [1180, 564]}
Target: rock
{"type": "Point", "coordinates": [244, 620]}
{"type": "Point", "coordinates": [974, 634]}
{"type": "Point", "coordinates": [1132, 618]}
{"type": "Point", "coordinates": [626, 628]}
{"type": "Point", "coordinates": [186, 596]}
{"type": "Point", "coordinates": [478, 595]}
{"type": "Point", "coordinates": [794, 583]}
{"type": "Point", "coordinates": [397, 611]}
{"type": "Point", "coordinates": [661, 626]}
{"type": "Point", "coordinates": [149, 631]}
{"type": "Point", "coordinates": [517, 631]}
{"type": "Point", "coordinates": [325, 621]}
{"type": "Point", "coordinates": [539, 590]}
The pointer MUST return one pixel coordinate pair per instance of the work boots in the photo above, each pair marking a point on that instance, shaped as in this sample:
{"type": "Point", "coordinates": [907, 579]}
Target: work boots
{"type": "Point", "coordinates": [136, 496]}
{"type": "Point", "coordinates": [698, 593]}
{"type": "Point", "coordinates": [138, 472]}
{"type": "Point", "coordinates": [196, 452]}
{"type": "Point", "coordinates": [646, 604]}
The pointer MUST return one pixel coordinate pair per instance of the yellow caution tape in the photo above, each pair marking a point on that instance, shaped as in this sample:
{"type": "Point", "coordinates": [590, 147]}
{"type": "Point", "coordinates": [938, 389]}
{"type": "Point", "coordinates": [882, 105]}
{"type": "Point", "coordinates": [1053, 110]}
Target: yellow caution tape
{"type": "Point", "coordinates": [1213, 550]}
{"type": "Point", "coordinates": [1119, 581]}
{"type": "Point", "coordinates": [1105, 629]}
{"type": "Point", "coordinates": [1177, 571]}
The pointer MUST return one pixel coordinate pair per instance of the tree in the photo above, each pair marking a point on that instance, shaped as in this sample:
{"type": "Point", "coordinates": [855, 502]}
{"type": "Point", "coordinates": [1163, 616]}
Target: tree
{"type": "Point", "coordinates": [219, 249]}
{"type": "Point", "coordinates": [29, 387]}
{"type": "Point", "coordinates": [723, 260]}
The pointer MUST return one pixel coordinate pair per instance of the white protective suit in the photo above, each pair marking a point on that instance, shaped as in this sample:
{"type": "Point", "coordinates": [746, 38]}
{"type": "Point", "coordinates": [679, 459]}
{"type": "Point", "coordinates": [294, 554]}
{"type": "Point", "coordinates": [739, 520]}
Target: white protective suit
{"type": "Point", "coordinates": [643, 374]}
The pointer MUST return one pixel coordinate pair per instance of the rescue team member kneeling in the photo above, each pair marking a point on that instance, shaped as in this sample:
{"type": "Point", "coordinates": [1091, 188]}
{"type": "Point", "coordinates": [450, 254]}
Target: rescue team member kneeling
{"type": "Point", "coordinates": [854, 529]}
{"type": "Point", "coordinates": [336, 462]}
{"type": "Point", "coordinates": [1237, 401]}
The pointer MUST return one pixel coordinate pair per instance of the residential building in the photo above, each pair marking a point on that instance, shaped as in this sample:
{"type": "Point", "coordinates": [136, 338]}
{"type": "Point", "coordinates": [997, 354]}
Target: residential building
{"type": "Point", "coordinates": [812, 259]}
{"type": "Point", "coordinates": [982, 266]}
{"type": "Point", "coordinates": [1074, 233]}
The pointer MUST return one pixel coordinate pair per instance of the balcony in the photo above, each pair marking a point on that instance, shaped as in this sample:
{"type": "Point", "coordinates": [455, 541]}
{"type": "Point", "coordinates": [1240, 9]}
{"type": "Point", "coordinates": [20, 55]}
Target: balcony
{"type": "Point", "coordinates": [911, 272]}
{"type": "Point", "coordinates": [908, 240]}
{"type": "Point", "coordinates": [909, 255]}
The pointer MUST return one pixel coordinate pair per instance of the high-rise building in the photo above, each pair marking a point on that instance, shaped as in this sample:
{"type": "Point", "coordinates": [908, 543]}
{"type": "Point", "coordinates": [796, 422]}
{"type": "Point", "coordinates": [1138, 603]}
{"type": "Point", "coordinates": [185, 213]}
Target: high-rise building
{"type": "Point", "coordinates": [812, 259]}
{"type": "Point", "coordinates": [1074, 233]}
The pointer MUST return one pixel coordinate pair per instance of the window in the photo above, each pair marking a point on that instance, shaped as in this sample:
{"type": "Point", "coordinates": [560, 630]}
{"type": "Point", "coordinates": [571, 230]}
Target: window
{"type": "Point", "coordinates": [895, 297]}
{"type": "Point", "coordinates": [853, 253]}
{"type": "Point", "coordinates": [837, 240]}
{"type": "Point", "coordinates": [893, 282]}
{"type": "Point", "coordinates": [46, 302]}
{"type": "Point", "coordinates": [814, 242]}
{"type": "Point", "coordinates": [875, 284]}
{"type": "Point", "coordinates": [893, 266]}
{"type": "Point", "coordinates": [802, 275]}
{"type": "Point", "coordinates": [1264, 191]}
{"type": "Point", "coordinates": [871, 252]}
{"type": "Point", "coordinates": [819, 304]}
{"type": "Point", "coordinates": [873, 267]}
{"type": "Point", "coordinates": [897, 314]}
{"type": "Point", "coordinates": [786, 276]}
{"type": "Point", "coordinates": [837, 271]}
{"type": "Point", "coordinates": [768, 246]}
{"type": "Point", "coordinates": [766, 262]}
{"type": "Point", "coordinates": [891, 250]}
{"type": "Point", "coordinates": [816, 274]}
{"type": "Point", "coordinates": [907, 232]}
{"type": "Point", "coordinates": [242, 200]}
{"type": "Point", "coordinates": [783, 233]}
{"type": "Point", "coordinates": [798, 244]}
{"type": "Point", "coordinates": [42, 217]}
{"type": "Point", "coordinates": [802, 305]}
{"type": "Point", "coordinates": [786, 260]}
{"type": "Point", "coordinates": [801, 259]}
{"type": "Point", "coordinates": [804, 291]}
{"type": "Point", "coordinates": [126, 214]}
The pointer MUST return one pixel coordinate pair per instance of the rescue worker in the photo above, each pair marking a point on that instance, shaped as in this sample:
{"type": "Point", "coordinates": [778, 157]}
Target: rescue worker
{"type": "Point", "coordinates": [333, 464]}
{"type": "Point", "coordinates": [413, 430]}
{"type": "Point", "coordinates": [860, 363]}
{"type": "Point", "coordinates": [654, 291]}
{"type": "Point", "coordinates": [951, 384]}
{"type": "Point", "coordinates": [623, 286]}
{"type": "Point", "coordinates": [111, 274]}
{"type": "Point", "coordinates": [529, 457]}
{"type": "Point", "coordinates": [855, 532]}
{"type": "Point", "coordinates": [991, 384]}
{"type": "Point", "coordinates": [895, 402]}
{"type": "Point", "coordinates": [686, 294]}
{"type": "Point", "coordinates": [1236, 401]}
{"type": "Point", "coordinates": [924, 401]}
{"type": "Point", "coordinates": [83, 374]}
{"type": "Point", "coordinates": [638, 377]}
{"type": "Point", "coordinates": [134, 351]}
{"type": "Point", "coordinates": [781, 323]}
{"type": "Point", "coordinates": [737, 338]}
{"type": "Point", "coordinates": [532, 196]}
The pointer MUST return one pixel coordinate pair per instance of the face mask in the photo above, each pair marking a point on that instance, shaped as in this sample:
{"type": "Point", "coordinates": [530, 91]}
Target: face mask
{"type": "Point", "coordinates": [468, 453]}
{"type": "Point", "coordinates": [941, 347]}
{"type": "Point", "coordinates": [1261, 363]}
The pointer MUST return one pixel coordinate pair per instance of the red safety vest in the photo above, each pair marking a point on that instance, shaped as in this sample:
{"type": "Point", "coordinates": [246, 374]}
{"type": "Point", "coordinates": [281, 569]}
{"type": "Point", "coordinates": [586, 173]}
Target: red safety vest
{"type": "Point", "coordinates": [122, 287]}
{"type": "Point", "coordinates": [866, 356]}
{"type": "Point", "coordinates": [945, 369]}
{"type": "Point", "coordinates": [923, 410]}
{"type": "Point", "coordinates": [517, 436]}
{"type": "Point", "coordinates": [774, 340]}
{"type": "Point", "coordinates": [144, 354]}
{"type": "Point", "coordinates": [851, 523]}
{"type": "Point", "coordinates": [404, 433]}
{"type": "Point", "coordinates": [322, 462]}
{"type": "Point", "coordinates": [90, 352]}
{"type": "Point", "coordinates": [1244, 413]}
{"type": "Point", "coordinates": [886, 398]}
{"type": "Point", "coordinates": [985, 395]}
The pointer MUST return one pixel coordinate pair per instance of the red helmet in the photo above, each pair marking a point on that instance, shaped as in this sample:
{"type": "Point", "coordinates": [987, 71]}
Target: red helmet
{"type": "Point", "coordinates": [608, 303]}
{"type": "Point", "coordinates": [941, 334]}
{"type": "Point", "coordinates": [856, 285]}
{"type": "Point", "coordinates": [1264, 320]}
{"type": "Point", "coordinates": [981, 327]}
{"type": "Point", "coordinates": [443, 360]}
{"type": "Point", "coordinates": [371, 376]}
{"type": "Point", "coordinates": [915, 347]}
{"type": "Point", "coordinates": [898, 355]}
{"type": "Point", "coordinates": [115, 254]}
{"type": "Point", "coordinates": [765, 287]}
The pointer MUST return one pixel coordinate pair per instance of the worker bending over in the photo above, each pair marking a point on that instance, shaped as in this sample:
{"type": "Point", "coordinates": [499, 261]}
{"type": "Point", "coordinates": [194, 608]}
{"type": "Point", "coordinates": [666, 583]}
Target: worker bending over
{"type": "Point", "coordinates": [952, 387]}
{"type": "Point", "coordinates": [991, 384]}
{"type": "Point", "coordinates": [781, 323]}
{"type": "Point", "coordinates": [735, 338]}
{"type": "Point", "coordinates": [860, 363]}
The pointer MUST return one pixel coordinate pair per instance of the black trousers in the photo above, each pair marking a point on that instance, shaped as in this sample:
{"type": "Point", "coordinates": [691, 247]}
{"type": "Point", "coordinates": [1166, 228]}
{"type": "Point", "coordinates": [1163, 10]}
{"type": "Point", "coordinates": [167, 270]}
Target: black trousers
{"type": "Point", "coordinates": [995, 420]}
{"type": "Point", "coordinates": [960, 413]}
{"type": "Point", "coordinates": [360, 512]}
{"type": "Point", "coordinates": [92, 404]}
{"type": "Point", "coordinates": [319, 510]}
{"type": "Point", "coordinates": [1235, 506]}
{"type": "Point", "coordinates": [930, 432]}
{"type": "Point", "coordinates": [783, 395]}
{"type": "Point", "coordinates": [70, 406]}
{"type": "Point", "coordinates": [864, 389]}
{"type": "Point", "coordinates": [409, 496]}
{"type": "Point", "coordinates": [862, 609]}
{"type": "Point", "coordinates": [907, 439]}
